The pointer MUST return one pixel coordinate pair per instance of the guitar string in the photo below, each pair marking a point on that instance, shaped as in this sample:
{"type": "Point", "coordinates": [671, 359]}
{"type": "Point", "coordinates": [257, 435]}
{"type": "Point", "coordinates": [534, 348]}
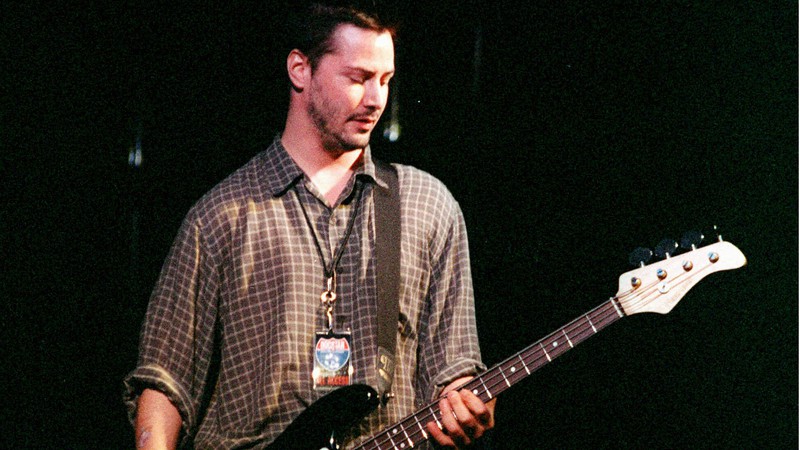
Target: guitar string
{"type": "Point", "coordinates": [570, 329]}
{"type": "Point", "coordinates": [603, 313]}
{"type": "Point", "coordinates": [679, 279]}
{"type": "Point", "coordinates": [576, 329]}
{"type": "Point", "coordinates": [534, 357]}
{"type": "Point", "coordinates": [577, 332]}
{"type": "Point", "coordinates": [491, 383]}
{"type": "Point", "coordinates": [424, 414]}
{"type": "Point", "coordinates": [676, 281]}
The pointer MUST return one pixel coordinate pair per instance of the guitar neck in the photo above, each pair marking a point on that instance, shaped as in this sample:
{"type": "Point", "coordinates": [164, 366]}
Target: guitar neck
{"type": "Point", "coordinates": [411, 431]}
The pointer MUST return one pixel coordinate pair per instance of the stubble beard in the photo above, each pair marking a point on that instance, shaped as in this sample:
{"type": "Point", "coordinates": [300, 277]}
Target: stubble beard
{"type": "Point", "coordinates": [322, 112]}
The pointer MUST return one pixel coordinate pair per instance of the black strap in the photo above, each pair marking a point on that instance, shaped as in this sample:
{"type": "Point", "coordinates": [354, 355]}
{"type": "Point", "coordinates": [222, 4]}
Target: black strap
{"type": "Point", "coordinates": [387, 255]}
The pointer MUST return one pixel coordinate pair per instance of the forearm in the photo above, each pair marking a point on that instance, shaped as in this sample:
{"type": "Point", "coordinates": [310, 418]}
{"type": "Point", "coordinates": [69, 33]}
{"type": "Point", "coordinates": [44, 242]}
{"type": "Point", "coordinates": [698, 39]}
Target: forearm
{"type": "Point", "coordinates": [158, 423]}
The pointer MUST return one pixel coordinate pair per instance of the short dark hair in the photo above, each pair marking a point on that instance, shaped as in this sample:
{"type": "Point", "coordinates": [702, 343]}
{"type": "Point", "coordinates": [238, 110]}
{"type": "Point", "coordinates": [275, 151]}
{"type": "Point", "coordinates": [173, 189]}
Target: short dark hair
{"type": "Point", "coordinates": [312, 31]}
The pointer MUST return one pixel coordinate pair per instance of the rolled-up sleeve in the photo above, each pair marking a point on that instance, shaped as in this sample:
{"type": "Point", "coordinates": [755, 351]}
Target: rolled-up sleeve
{"type": "Point", "coordinates": [177, 339]}
{"type": "Point", "coordinates": [450, 347]}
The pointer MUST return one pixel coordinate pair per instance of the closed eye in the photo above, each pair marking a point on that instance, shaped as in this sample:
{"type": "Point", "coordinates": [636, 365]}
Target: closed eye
{"type": "Point", "coordinates": [386, 78]}
{"type": "Point", "coordinates": [361, 76]}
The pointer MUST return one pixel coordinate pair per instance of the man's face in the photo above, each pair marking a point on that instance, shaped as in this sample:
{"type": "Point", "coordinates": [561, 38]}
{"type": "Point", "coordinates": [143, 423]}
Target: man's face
{"type": "Point", "coordinates": [350, 86]}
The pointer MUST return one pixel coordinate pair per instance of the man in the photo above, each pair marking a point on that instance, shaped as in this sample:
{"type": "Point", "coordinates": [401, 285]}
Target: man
{"type": "Point", "coordinates": [227, 348]}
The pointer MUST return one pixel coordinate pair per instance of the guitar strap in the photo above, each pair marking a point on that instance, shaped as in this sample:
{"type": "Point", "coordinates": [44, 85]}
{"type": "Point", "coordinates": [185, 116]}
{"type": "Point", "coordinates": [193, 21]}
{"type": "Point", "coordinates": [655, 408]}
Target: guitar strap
{"type": "Point", "coordinates": [387, 255]}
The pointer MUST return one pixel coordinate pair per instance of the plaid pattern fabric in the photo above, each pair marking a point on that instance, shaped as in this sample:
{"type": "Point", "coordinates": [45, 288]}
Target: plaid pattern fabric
{"type": "Point", "coordinates": [228, 334]}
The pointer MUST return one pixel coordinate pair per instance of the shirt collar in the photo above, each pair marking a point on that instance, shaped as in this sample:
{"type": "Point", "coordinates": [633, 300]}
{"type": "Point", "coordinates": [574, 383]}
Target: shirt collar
{"type": "Point", "coordinates": [282, 172]}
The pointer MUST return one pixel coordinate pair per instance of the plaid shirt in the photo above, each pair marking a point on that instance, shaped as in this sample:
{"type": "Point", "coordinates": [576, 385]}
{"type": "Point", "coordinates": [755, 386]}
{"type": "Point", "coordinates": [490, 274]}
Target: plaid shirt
{"type": "Point", "coordinates": [229, 330]}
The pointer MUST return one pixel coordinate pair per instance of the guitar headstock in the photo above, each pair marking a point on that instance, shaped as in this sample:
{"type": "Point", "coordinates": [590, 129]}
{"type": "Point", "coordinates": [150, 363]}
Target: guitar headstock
{"type": "Point", "coordinates": [659, 286]}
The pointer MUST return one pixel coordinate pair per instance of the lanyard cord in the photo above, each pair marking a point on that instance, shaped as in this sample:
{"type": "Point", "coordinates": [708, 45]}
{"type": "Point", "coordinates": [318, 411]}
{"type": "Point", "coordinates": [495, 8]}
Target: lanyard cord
{"type": "Point", "coordinates": [331, 271]}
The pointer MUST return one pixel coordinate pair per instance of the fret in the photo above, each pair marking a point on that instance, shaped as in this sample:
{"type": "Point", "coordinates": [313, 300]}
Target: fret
{"type": "Point", "coordinates": [590, 323]}
{"type": "Point", "coordinates": [421, 429]}
{"type": "Point", "coordinates": [523, 363]}
{"type": "Point", "coordinates": [556, 349]}
{"type": "Point", "coordinates": [436, 419]}
{"type": "Point", "coordinates": [504, 376]}
{"type": "Point", "coordinates": [389, 435]}
{"type": "Point", "coordinates": [373, 442]}
{"type": "Point", "coordinates": [395, 432]}
{"type": "Point", "coordinates": [485, 388]}
{"type": "Point", "coordinates": [517, 370]}
{"type": "Point", "coordinates": [568, 340]}
{"type": "Point", "coordinates": [613, 302]}
{"type": "Point", "coordinates": [545, 352]}
{"type": "Point", "coordinates": [408, 439]}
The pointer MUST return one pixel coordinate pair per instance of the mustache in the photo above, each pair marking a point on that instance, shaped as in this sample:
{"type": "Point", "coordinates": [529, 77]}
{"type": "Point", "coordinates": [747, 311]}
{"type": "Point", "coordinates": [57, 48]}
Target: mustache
{"type": "Point", "coordinates": [373, 116]}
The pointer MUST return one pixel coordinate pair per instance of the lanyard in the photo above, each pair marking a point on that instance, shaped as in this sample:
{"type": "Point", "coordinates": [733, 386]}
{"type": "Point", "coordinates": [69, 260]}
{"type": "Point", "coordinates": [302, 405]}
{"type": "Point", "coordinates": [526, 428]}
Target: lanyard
{"type": "Point", "coordinates": [328, 296]}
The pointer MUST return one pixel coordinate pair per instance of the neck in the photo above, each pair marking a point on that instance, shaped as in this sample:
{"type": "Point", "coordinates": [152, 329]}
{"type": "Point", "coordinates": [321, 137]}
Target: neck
{"type": "Point", "coordinates": [328, 170]}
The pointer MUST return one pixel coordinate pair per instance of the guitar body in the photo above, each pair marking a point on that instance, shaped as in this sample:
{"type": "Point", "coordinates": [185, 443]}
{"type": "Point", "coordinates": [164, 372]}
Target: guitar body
{"type": "Point", "coordinates": [318, 426]}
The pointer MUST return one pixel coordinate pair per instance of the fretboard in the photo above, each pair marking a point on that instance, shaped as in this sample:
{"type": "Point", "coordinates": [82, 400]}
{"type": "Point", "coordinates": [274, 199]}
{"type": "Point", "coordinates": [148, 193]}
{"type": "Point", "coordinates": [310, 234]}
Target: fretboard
{"type": "Point", "coordinates": [410, 431]}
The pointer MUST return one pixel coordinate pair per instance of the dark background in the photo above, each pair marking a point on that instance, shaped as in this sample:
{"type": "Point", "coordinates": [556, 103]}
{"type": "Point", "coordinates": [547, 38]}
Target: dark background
{"type": "Point", "coordinates": [569, 132]}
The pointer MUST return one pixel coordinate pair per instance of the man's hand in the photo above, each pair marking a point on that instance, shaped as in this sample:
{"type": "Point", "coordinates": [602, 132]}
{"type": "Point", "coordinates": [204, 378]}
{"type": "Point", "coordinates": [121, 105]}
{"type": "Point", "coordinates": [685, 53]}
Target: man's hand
{"type": "Point", "coordinates": [465, 417]}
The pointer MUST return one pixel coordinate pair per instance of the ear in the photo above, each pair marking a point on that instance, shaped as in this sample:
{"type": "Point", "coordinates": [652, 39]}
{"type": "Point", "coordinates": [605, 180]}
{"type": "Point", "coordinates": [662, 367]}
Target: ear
{"type": "Point", "coordinates": [299, 69]}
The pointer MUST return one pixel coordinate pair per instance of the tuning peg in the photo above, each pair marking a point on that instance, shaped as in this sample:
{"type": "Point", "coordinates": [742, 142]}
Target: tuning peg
{"type": "Point", "coordinates": [691, 239]}
{"type": "Point", "coordinates": [666, 248]}
{"type": "Point", "coordinates": [719, 235]}
{"type": "Point", "coordinates": [640, 256]}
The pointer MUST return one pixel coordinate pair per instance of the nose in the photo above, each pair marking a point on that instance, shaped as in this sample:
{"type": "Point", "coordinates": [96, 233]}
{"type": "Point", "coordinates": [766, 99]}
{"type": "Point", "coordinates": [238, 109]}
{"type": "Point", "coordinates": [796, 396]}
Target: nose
{"type": "Point", "coordinates": [375, 94]}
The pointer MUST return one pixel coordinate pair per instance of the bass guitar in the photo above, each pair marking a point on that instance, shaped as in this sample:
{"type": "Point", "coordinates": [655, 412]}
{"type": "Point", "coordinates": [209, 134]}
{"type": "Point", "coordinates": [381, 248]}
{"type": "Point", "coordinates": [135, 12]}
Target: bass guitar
{"type": "Point", "coordinates": [656, 288]}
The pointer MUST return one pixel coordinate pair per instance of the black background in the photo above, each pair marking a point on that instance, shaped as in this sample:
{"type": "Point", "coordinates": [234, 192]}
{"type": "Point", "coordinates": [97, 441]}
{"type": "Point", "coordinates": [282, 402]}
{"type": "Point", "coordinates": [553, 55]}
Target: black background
{"type": "Point", "coordinates": [569, 132]}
